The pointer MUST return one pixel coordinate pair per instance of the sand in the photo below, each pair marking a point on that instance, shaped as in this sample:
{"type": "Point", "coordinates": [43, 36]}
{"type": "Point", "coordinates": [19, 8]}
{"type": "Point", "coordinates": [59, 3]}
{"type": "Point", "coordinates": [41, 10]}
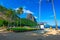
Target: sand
{"type": "Point", "coordinates": [52, 32]}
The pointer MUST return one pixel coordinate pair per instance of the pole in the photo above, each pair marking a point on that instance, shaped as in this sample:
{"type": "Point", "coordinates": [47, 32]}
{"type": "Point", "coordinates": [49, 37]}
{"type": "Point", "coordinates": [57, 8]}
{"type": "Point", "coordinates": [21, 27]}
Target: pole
{"type": "Point", "coordinates": [40, 1]}
{"type": "Point", "coordinates": [40, 9]}
{"type": "Point", "coordinates": [54, 14]}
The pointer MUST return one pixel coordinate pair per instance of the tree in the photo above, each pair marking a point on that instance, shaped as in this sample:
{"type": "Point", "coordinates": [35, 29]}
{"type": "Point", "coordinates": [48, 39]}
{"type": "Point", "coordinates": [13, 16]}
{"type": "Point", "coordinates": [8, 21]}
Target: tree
{"type": "Point", "coordinates": [1, 22]}
{"type": "Point", "coordinates": [8, 14]}
{"type": "Point", "coordinates": [3, 9]}
{"type": "Point", "coordinates": [20, 11]}
{"type": "Point", "coordinates": [26, 22]}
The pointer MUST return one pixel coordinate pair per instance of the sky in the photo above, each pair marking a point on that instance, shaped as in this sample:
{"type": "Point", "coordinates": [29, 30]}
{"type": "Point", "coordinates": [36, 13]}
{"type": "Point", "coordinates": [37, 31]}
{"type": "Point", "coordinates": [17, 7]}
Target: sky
{"type": "Point", "coordinates": [32, 6]}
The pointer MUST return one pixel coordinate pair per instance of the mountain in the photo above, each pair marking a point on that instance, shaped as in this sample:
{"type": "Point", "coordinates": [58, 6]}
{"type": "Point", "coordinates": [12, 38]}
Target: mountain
{"type": "Point", "coordinates": [31, 17]}
{"type": "Point", "coordinates": [9, 17]}
{"type": "Point", "coordinates": [7, 14]}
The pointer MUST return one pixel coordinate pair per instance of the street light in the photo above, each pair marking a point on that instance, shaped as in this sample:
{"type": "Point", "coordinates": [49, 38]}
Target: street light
{"type": "Point", "coordinates": [39, 12]}
{"type": "Point", "coordinates": [54, 11]}
{"type": "Point", "coordinates": [54, 14]}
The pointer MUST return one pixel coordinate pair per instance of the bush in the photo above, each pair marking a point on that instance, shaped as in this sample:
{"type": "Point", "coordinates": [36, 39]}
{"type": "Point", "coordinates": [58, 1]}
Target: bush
{"type": "Point", "coordinates": [21, 29]}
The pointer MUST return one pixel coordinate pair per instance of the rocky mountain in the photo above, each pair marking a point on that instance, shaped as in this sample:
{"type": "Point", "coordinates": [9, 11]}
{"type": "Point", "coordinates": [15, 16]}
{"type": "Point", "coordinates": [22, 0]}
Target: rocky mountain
{"type": "Point", "coordinates": [31, 17]}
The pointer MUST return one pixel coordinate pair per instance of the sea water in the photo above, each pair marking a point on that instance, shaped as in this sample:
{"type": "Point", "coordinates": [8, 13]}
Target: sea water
{"type": "Point", "coordinates": [52, 27]}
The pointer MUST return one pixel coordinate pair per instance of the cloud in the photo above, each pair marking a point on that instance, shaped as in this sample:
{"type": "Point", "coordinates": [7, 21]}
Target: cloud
{"type": "Point", "coordinates": [16, 9]}
{"type": "Point", "coordinates": [27, 11]}
{"type": "Point", "coordinates": [35, 17]}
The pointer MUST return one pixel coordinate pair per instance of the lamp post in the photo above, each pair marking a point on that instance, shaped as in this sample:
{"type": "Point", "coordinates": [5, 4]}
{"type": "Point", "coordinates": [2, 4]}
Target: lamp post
{"type": "Point", "coordinates": [40, 1]}
{"type": "Point", "coordinates": [54, 11]}
{"type": "Point", "coordinates": [54, 14]}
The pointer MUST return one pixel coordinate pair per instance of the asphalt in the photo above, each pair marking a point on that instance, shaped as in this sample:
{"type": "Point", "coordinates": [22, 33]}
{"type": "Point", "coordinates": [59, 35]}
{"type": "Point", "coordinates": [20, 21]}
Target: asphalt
{"type": "Point", "coordinates": [27, 36]}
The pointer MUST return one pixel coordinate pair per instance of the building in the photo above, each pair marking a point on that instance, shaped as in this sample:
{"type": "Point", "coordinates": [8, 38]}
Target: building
{"type": "Point", "coordinates": [41, 26]}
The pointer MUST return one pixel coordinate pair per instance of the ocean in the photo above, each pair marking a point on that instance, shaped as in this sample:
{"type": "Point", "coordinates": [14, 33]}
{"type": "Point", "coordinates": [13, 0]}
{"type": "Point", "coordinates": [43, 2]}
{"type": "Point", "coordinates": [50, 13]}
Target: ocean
{"type": "Point", "coordinates": [52, 27]}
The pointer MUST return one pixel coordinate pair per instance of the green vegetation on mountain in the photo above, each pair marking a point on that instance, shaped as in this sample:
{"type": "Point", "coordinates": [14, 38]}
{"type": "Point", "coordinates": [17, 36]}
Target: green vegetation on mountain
{"type": "Point", "coordinates": [26, 22]}
{"type": "Point", "coordinates": [8, 17]}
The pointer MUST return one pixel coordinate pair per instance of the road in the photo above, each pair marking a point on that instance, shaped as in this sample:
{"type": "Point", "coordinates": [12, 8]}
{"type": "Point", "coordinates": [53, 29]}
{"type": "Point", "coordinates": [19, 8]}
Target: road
{"type": "Point", "coordinates": [27, 36]}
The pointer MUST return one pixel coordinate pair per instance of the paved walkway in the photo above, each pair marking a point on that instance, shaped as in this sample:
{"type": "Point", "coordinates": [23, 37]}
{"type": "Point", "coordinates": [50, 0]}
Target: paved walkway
{"type": "Point", "coordinates": [4, 35]}
{"type": "Point", "coordinates": [27, 36]}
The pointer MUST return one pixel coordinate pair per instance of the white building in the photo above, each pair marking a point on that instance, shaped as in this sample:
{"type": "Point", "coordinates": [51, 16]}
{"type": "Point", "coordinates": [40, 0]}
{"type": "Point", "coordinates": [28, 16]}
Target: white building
{"type": "Point", "coordinates": [41, 25]}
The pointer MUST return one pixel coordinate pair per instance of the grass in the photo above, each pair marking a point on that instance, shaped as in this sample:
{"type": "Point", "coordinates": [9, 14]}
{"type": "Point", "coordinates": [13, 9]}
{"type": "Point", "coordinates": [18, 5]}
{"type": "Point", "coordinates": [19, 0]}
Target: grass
{"type": "Point", "coordinates": [21, 29]}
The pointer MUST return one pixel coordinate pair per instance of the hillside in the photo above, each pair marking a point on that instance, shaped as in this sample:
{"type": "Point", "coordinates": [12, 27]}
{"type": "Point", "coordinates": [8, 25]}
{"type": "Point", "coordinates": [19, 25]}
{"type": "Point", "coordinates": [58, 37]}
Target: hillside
{"type": "Point", "coordinates": [8, 17]}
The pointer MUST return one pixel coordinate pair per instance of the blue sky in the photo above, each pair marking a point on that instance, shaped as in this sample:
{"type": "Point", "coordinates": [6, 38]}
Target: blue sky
{"type": "Point", "coordinates": [32, 6]}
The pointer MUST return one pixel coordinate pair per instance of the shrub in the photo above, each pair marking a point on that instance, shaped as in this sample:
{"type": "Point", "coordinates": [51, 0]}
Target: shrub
{"type": "Point", "coordinates": [21, 29]}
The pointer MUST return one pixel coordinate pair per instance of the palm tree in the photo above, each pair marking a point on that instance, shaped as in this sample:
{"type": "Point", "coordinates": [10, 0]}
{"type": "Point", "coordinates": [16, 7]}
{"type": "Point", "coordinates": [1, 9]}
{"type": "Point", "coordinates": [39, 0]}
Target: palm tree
{"type": "Point", "coordinates": [9, 12]}
{"type": "Point", "coordinates": [20, 11]}
{"type": "Point", "coordinates": [9, 15]}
